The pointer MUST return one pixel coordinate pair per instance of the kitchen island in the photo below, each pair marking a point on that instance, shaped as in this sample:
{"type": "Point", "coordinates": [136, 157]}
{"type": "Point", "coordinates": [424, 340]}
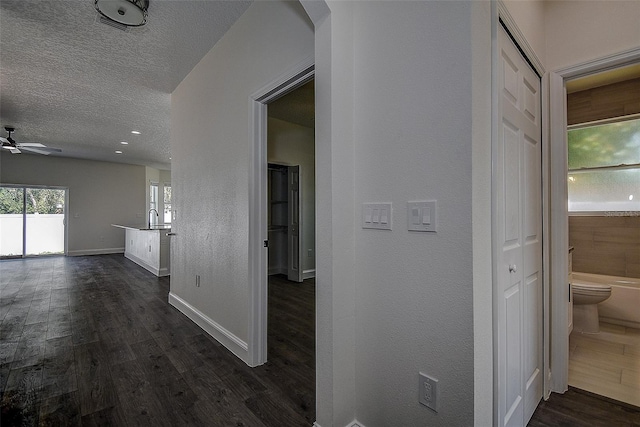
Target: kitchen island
{"type": "Point", "coordinates": [148, 246]}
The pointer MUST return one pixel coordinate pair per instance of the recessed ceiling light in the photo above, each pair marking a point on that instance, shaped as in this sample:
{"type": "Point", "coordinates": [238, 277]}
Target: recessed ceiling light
{"type": "Point", "coordinates": [118, 152]}
{"type": "Point", "coordinates": [135, 132]}
{"type": "Point", "coordinates": [124, 143]}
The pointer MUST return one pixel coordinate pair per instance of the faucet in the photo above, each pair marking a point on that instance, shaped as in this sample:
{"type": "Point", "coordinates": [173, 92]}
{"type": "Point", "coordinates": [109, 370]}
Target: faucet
{"type": "Point", "coordinates": [149, 215]}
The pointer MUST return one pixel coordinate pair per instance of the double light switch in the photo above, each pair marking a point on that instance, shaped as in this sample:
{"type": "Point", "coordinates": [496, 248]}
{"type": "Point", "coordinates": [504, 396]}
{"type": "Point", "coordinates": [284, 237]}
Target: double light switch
{"type": "Point", "coordinates": [421, 216]}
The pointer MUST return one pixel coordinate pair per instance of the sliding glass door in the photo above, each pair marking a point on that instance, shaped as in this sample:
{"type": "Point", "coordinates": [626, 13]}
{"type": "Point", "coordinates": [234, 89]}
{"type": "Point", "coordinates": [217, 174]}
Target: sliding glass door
{"type": "Point", "coordinates": [32, 220]}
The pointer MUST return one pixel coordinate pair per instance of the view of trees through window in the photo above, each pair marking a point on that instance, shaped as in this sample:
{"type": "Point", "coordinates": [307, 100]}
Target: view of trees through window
{"type": "Point", "coordinates": [604, 167]}
{"type": "Point", "coordinates": [39, 200]}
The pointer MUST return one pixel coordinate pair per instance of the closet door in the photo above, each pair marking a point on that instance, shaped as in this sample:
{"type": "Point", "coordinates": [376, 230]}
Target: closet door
{"type": "Point", "coordinates": [518, 237]}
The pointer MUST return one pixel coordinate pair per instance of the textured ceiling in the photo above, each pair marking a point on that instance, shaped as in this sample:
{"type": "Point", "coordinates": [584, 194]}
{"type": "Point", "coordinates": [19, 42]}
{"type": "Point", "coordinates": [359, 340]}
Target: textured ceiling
{"type": "Point", "coordinates": [73, 83]}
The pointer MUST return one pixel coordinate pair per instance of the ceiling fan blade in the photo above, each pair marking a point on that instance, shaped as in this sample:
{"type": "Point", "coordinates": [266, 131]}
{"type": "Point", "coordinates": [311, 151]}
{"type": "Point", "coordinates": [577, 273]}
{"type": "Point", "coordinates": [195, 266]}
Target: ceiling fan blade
{"type": "Point", "coordinates": [31, 144]}
{"type": "Point", "coordinates": [4, 140]}
{"type": "Point", "coordinates": [14, 150]}
{"type": "Point", "coordinates": [46, 151]}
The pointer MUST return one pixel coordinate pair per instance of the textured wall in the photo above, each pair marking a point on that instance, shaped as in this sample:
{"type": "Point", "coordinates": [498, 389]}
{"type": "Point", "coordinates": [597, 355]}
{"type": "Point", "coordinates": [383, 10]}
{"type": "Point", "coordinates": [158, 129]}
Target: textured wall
{"type": "Point", "coordinates": [604, 102]}
{"type": "Point", "coordinates": [211, 157]}
{"type": "Point", "coordinates": [606, 245]}
{"type": "Point", "coordinates": [100, 194]}
{"type": "Point", "coordinates": [413, 295]}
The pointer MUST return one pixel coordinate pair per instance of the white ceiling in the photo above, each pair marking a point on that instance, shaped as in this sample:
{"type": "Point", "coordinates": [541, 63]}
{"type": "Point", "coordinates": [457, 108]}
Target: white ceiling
{"type": "Point", "coordinates": [73, 83]}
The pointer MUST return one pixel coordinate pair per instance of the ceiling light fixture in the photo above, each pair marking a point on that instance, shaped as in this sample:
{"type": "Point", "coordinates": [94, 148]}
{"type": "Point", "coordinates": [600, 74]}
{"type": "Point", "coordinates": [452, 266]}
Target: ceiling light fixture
{"type": "Point", "coordinates": [132, 13]}
{"type": "Point", "coordinates": [135, 132]}
{"type": "Point", "coordinates": [118, 152]}
{"type": "Point", "coordinates": [124, 143]}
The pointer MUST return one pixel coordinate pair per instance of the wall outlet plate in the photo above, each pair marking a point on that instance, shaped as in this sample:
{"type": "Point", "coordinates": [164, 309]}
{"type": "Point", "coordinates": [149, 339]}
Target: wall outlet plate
{"type": "Point", "coordinates": [428, 389]}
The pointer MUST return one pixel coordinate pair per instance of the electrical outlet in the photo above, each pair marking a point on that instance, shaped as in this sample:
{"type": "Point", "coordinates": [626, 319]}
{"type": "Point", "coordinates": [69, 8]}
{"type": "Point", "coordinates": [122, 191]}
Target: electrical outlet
{"type": "Point", "coordinates": [428, 389]}
{"type": "Point", "coordinates": [310, 253]}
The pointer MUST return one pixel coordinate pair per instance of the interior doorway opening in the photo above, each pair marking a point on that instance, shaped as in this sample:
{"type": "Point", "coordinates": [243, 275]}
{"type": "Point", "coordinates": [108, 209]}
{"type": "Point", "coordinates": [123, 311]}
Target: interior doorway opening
{"type": "Point", "coordinates": [33, 221]}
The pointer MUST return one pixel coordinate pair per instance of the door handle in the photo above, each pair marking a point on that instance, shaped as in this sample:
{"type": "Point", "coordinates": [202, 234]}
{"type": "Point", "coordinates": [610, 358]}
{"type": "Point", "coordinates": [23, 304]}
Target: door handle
{"type": "Point", "coordinates": [171, 234]}
{"type": "Point", "coordinates": [512, 268]}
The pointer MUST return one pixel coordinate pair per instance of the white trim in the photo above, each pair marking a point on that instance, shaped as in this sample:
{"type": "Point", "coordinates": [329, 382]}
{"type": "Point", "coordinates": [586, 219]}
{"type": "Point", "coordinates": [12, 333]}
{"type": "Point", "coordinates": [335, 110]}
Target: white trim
{"type": "Point", "coordinates": [258, 232]}
{"type": "Point", "coordinates": [277, 270]}
{"type": "Point", "coordinates": [559, 347]}
{"type": "Point", "coordinates": [521, 41]}
{"type": "Point", "coordinates": [222, 335]}
{"type": "Point", "coordinates": [102, 251]}
{"type": "Point", "coordinates": [164, 271]}
{"type": "Point", "coordinates": [609, 62]}
{"type": "Point", "coordinates": [354, 423]}
{"type": "Point", "coordinates": [546, 233]}
{"type": "Point", "coordinates": [308, 274]}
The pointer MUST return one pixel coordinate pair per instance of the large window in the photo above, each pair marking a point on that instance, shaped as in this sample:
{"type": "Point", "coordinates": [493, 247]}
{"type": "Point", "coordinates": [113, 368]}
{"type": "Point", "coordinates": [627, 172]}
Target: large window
{"type": "Point", "coordinates": [604, 167]}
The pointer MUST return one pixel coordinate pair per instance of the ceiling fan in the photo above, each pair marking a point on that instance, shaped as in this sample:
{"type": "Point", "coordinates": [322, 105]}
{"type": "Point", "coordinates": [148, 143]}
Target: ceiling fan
{"type": "Point", "coordinates": [10, 144]}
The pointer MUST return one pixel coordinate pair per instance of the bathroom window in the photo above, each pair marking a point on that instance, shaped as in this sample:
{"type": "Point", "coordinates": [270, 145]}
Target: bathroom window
{"type": "Point", "coordinates": [604, 167]}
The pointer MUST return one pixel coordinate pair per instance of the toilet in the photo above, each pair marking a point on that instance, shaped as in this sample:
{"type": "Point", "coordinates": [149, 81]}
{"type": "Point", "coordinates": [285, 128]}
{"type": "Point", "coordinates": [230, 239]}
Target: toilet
{"type": "Point", "coordinates": [586, 297]}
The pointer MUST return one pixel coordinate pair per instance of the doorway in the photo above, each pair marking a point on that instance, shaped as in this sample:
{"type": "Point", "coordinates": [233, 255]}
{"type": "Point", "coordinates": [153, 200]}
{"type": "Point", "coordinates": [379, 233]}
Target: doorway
{"type": "Point", "coordinates": [603, 224]}
{"type": "Point", "coordinates": [290, 221]}
{"type": "Point", "coordinates": [558, 80]}
{"type": "Point", "coordinates": [33, 221]}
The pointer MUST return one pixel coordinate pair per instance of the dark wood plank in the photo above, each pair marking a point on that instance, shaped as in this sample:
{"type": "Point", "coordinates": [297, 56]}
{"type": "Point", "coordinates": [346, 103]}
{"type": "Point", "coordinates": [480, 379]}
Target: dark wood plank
{"type": "Point", "coordinates": [96, 390]}
{"type": "Point", "coordinates": [59, 376]}
{"type": "Point", "coordinates": [98, 344]}
{"type": "Point", "coordinates": [583, 409]}
{"type": "Point", "coordinates": [61, 410]}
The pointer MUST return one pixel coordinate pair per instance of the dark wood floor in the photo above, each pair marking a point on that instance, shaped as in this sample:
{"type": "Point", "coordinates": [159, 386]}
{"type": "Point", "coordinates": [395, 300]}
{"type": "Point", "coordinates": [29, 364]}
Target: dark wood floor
{"type": "Point", "coordinates": [92, 341]}
{"type": "Point", "coordinates": [580, 408]}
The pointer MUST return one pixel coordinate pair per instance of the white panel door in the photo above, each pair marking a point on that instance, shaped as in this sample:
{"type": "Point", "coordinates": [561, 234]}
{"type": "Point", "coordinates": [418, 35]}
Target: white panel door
{"type": "Point", "coordinates": [518, 208]}
{"type": "Point", "coordinates": [294, 232]}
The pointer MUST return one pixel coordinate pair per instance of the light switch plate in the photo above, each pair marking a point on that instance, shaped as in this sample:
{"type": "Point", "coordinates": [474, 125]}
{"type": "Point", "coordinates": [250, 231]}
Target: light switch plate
{"type": "Point", "coordinates": [421, 216]}
{"type": "Point", "coordinates": [376, 215]}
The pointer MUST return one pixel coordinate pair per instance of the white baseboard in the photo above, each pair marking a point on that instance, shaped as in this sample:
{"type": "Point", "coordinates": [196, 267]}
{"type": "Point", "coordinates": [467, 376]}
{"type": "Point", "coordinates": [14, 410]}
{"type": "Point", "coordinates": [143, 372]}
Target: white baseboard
{"type": "Point", "coordinates": [160, 272]}
{"type": "Point", "coordinates": [354, 423]}
{"type": "Point", "coordinates": [103, 251]}
{"type": "Point", "coordinates": [308, 274]}
{"type": "Point", "coordinates": [222, 335]}
{"type": "Point", "coordinates": [278, 270]}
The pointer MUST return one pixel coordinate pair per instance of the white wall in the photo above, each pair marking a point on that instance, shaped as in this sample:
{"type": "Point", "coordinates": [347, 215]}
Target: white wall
{"type": "Point", "coordinates": [293, 145]}
{"type": "Point", "coordinates": [100, 193]}
{"type": "Point", "coordinates": [211, 158]}
{"type": "Point", "coordinates": [579, 31]}
{"type": "Point", "coordinates": [412, 133]}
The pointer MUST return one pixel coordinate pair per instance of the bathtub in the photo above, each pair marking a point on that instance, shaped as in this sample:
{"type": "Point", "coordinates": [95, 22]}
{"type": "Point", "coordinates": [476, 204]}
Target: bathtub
{"type": "Point", "coordinates": [623, 307]}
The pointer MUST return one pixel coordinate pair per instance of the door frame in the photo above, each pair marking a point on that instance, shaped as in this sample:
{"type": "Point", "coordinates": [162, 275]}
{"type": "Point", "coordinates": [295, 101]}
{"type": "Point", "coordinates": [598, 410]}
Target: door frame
{"type": "Point", "coordinates": [557, 108]}
{"type": "Point", "coordinates": [258, 231]}
{"type": "Point", "coordinates": [501, 17]}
